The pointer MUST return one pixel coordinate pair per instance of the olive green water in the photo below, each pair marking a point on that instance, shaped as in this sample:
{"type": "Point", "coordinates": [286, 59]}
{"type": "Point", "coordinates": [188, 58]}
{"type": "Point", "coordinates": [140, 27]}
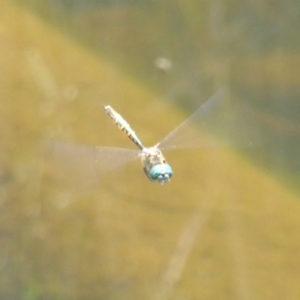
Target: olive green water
{"type": "Point", "coordinates": [225, 227]}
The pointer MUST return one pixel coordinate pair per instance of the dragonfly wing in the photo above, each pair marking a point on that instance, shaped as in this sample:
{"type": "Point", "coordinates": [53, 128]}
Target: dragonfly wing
{"type": "Point", "coordinates": [217, 123]}
{"type": "Point", "coordinates": [82, 165]}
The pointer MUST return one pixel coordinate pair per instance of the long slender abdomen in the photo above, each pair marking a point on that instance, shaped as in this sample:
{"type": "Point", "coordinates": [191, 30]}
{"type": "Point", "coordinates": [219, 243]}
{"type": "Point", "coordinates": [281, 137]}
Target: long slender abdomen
{"type": "Point", "coordinates": [123, 125]}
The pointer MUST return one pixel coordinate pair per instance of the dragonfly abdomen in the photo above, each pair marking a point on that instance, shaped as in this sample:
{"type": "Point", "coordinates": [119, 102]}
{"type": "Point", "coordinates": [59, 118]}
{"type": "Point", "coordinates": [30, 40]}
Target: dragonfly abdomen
{"type": "Point", "coordinates": [123, 125]}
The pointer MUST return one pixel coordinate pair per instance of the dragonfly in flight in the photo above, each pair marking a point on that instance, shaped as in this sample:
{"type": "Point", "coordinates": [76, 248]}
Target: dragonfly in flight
{"type": "Point", "coordinates": [231, 125]}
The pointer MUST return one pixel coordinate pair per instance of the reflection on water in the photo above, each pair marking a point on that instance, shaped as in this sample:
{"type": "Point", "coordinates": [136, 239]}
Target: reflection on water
{"type": "Point", "coordinates": [228, 222]}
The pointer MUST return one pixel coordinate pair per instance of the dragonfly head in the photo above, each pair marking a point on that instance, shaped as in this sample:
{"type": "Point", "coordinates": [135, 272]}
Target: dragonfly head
{"type": "Point", "coordinates": [161, 173]}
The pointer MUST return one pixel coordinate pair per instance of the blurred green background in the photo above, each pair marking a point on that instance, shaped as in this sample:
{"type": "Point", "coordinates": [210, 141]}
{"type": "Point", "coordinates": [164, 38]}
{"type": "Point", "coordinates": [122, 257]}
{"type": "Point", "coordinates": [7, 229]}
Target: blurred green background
{"type": "Point", "coordinates": [225, 227]}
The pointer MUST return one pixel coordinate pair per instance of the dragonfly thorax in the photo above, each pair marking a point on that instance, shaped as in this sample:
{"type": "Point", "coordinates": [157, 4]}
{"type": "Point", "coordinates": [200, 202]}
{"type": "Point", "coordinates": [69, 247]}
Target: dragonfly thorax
{"type": "Point", "coordinates": [155, 165]}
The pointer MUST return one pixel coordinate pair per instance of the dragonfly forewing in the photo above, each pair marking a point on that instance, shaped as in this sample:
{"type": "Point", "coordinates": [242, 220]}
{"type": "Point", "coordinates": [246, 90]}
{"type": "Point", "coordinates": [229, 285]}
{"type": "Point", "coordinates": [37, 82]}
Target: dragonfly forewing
{"type": "Point", "coordinates": [82, 165]}
{"type": "Point", "coordinates": [219, 122]}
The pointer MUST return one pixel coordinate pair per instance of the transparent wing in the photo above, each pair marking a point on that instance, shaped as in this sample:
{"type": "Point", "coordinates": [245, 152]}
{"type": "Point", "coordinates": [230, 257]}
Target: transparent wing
{"type": "Point", "coordinates": [82, 165]}
{"type": "Point", "coordinates": [217, 123]}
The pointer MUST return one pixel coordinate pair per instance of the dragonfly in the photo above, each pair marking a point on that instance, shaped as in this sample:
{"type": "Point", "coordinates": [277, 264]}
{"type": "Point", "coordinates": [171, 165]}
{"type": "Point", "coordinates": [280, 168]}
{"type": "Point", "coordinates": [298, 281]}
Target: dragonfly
{"type": "Point", "coordinates": [230, 125]}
